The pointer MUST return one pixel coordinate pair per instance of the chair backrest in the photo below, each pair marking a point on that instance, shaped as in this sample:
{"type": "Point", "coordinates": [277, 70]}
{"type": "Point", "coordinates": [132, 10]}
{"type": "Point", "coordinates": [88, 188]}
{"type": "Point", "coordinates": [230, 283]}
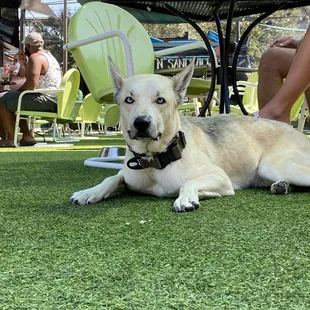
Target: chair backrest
{"type": "Point", "coordinates": [66, 100]}
{"type": "Point", "coordinates": [90, 110]}
{"type": "Point", "coordinates": [97, 17]}
{"type": "Point", "coordinates": [110, 115]}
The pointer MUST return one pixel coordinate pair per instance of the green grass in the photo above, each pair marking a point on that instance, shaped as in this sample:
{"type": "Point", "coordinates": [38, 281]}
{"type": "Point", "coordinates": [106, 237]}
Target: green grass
{"type": "Point", "coordinates": [250, 251]}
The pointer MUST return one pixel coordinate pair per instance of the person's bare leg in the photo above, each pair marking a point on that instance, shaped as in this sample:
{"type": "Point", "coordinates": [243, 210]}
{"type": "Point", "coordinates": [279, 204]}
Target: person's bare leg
{"type": "Point", "coordinates": [2, 132]}
{"type": "Point", "coordinates": [2, 128]}
{"type": "Point", "coordinates": [273, 68]}
{"type": "Point", "coordinates": [27, 136]}
{"type": "Point", "coordinates": [24, 128]}
{"type": "Point", "coordinates": [297, 80]}
{"type": "Point", "coordinates": [6, 121]}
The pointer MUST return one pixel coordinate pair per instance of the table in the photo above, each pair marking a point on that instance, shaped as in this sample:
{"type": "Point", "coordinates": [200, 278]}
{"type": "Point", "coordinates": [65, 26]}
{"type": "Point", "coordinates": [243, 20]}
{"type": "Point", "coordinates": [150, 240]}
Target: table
{"type": "Point", "coordinates": [160, 11]}
{"type": "Point", "coordinates": [4, 84]}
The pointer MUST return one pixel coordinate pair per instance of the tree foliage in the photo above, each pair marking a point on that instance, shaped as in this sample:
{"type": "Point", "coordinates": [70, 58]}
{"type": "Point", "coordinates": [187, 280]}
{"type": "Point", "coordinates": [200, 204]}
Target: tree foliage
{"type": "Point", "coordinates": [52, 30]}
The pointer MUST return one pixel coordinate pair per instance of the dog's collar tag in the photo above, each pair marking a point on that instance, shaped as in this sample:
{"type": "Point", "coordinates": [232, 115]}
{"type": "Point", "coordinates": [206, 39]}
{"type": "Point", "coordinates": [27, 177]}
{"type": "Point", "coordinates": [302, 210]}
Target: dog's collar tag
{"type": "Point", "coordinates": [160, 160]}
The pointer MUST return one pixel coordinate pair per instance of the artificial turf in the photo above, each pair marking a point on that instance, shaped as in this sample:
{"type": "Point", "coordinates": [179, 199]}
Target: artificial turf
{"type": "Point", "coordinates": [250, 251]}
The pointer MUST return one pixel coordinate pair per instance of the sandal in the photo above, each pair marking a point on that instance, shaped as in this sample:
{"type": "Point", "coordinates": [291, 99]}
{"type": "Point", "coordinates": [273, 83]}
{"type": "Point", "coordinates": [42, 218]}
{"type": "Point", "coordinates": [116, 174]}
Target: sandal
{"type": "Point", "coordinates": [6, 143]}
{"type": "Point", "coordinates": [23, 142]}
{"type": "Point", "coordinates": [256, 114]}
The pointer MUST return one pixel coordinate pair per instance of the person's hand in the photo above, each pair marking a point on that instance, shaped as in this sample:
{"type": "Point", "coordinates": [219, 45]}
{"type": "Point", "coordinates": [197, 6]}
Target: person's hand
{"type": "Point", "coordinates": [288, 42]}
{"type": "Point", "coordinates": [12, 68]}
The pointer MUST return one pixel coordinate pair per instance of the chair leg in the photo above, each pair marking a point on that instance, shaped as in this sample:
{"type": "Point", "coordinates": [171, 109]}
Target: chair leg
{"type": "Point", "coordinates": [33, 123]}
{"type": "Point", "coordinates": [54, 130]}
{"type": "Point", "coordinates": [303, 116]}
{"type": "Point", "coordinates": [60, 133]}
{"type": "Point", "coordinates": [16, 129]}
{"type": "Point", "coordinates": [195, 100]}
{"type": "Point", "coordinates": [82, 130]}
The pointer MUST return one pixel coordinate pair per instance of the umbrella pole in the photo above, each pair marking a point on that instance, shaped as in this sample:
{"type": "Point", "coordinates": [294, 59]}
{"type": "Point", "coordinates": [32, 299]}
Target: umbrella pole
{"type": "Point", "coordinates": [65, 36]}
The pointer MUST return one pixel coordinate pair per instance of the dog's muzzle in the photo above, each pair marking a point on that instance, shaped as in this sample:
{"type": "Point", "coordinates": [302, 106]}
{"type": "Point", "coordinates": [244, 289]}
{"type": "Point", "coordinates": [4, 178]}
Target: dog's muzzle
{"type": "Point", "coordinates": [142, 128]}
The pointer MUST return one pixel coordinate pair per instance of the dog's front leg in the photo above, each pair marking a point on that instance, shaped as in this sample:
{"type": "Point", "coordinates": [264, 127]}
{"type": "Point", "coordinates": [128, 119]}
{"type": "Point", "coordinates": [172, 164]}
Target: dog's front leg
{"type": "Point", "coordinates": [111, 186]}
{"type": "Point", "coordinates": [214, 184]}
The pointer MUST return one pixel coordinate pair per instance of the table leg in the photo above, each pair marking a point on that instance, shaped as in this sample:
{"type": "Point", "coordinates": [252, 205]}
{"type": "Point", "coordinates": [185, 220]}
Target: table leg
{"type": "Point", "coordinates": [210, 52]}
{"type": "Point", "coordinates": [236, 55]}
{"type": "Point", "coordinates": [222, 79]}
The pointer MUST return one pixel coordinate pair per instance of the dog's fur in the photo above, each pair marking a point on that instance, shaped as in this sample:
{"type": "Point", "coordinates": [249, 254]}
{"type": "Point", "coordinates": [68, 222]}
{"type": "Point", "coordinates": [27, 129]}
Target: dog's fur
{"type": "Point", "coordinates": [223, 153]}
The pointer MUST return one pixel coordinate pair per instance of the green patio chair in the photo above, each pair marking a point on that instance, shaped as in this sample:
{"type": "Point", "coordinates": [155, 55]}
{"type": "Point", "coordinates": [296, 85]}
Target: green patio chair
{"type": "Point", "coordinates": [96, 18]}
{"type": "Point", "coordinates": [248, 89]}
{"type": "Point", "coordinates": [89, 113]}
{"type": "Point", "coordinates": [67, 94]}
{"type": "Point", "coordinates": [109, 116]}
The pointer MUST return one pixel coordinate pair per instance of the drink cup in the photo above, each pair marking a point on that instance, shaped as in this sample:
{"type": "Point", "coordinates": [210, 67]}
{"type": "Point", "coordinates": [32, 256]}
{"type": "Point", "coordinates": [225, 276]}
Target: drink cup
{"type": "Point", "coordinates": [17, 65]}
{"type": "Point", "coordinates": [5, 76]}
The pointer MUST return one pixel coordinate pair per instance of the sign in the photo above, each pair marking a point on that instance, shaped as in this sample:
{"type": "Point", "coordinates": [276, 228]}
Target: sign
{"type": "Point", "coordinates": [179, 62]}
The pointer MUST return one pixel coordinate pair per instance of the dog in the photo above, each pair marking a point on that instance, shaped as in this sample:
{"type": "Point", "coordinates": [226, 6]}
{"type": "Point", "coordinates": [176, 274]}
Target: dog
{"type": "Point", "coordinates": [192, 158]}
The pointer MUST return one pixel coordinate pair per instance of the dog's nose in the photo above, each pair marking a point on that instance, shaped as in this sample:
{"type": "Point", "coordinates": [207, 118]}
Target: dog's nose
{"type": "Point", "coordinates": [142, 123]}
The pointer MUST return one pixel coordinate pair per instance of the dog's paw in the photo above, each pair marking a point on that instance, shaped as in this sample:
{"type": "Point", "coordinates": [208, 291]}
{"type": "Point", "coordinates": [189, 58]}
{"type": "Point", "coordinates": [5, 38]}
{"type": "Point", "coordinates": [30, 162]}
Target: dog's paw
{"type": "Point", "coordinates": [186, 204]}
{"type": "Point", "coordinates": [86, 197]}
{"type": "Point", "coordinates": [280, 188]}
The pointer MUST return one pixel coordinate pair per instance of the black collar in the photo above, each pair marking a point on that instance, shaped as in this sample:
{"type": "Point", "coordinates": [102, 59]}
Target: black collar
{"type": "Point", "coordinates": [159, 160]}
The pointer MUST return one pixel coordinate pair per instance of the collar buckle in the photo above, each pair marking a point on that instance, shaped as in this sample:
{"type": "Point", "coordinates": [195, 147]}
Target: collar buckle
{"type": "Point", "coordinates": [160, 160]}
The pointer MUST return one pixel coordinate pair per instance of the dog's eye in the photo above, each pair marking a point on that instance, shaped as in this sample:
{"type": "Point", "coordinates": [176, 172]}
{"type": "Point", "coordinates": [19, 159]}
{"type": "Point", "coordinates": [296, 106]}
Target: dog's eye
{"type": "Point", "coordinates": [129, 100]}
{"type": "Point", "coordinates": [160, 100]}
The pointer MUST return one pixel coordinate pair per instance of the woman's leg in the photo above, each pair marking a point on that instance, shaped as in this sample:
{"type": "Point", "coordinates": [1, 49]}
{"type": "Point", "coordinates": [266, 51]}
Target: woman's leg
{"type": "Point", "coordinates": [273, 69]}
{"type": "Point", "coordinates": [297, 82]}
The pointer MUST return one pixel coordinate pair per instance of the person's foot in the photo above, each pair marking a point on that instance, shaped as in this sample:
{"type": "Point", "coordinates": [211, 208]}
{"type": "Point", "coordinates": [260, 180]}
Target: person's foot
{"type": "Point", "coordinates": [27, 140]}
{"type": "Point", "coordinates": [273, 112]}
{"type": "Point", "coordinates": [24, 142]}
{"type": "Point", "coordinates": [281, 117]}
{"type": "Point", "coordinates": [259, 114]}
{"type": "Point", "coordinates": [6, 143]}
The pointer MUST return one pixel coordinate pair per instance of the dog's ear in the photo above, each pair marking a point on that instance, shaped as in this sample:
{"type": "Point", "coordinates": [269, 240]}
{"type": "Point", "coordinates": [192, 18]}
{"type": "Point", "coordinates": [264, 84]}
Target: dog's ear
{"type": "Point", "coordinates": [181, 80]}
{"type": "Point", "coordinates": [117, 77]}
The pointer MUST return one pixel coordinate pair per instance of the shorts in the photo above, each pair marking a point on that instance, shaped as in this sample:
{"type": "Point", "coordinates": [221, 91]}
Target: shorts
{"type": "Point", "coordinates": [30, 102]}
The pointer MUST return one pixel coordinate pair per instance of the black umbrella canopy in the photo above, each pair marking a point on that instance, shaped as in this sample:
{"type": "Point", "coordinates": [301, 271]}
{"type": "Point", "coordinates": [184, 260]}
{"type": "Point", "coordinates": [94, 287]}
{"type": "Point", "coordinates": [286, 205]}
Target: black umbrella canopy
{"type": "Point", "coordinates": [156, 11]}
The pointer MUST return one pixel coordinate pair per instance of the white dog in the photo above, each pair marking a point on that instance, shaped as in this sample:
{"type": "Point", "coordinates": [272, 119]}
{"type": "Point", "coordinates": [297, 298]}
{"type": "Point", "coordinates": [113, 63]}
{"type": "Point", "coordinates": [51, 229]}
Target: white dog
{"type": "Point", "coordinates": [192, 158]}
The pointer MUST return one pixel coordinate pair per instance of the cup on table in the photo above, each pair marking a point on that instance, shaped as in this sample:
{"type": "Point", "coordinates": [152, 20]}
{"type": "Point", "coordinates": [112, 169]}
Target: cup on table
{"type": "Point", "coordinates": [5, 76]}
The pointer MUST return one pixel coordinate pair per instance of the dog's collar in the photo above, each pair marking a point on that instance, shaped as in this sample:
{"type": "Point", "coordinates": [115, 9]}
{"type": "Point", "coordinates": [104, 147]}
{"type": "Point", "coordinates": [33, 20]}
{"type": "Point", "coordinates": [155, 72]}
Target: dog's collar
{"type": "Point", "coordinates": [159, 160]}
